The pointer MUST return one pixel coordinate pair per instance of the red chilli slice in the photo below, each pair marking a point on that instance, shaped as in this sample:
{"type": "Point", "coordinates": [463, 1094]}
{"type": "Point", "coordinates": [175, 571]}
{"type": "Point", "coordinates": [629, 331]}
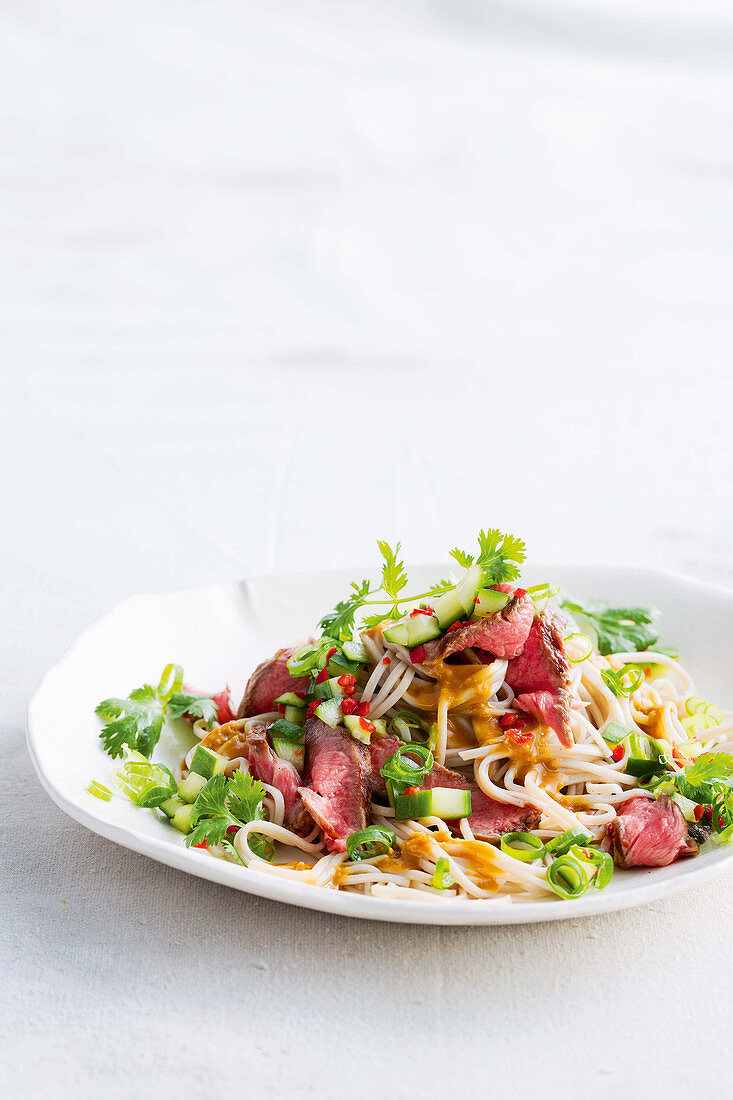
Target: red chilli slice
{"type": "Point", "coordinates": [322, 675]}
{"type": "Point", "coordinates": [417, 655]}
{"type": "Point", "coordinates": [618, 752]}
{"type": "Point", "coordinates": [348, 706]}
{"type": "Point", "coordinates": [362, 710]}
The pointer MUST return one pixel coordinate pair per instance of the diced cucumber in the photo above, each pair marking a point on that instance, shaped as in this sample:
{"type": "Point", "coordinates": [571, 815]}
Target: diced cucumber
{"type": "Point", "coordinates": [296, 715]}
{"type": "Point", "coordinates": [450, 803]}
{"type": "Point", "coordinates": [355, 650]}
{"type": "Point", "coordinates": [339, 665]}
{"type": "Point", "coordinates": [380, 727]}
{"type": "Point", "coordinates": [172, 805]}
{"type": "Point", "coordinates": [687, 806]}
{"type": "Point", "coordinates": [181, 819]}
{"type": "Point", "coordinates": [189, 787]}
{"type": "Point", "coordinates": [290, 751]}
{"type": "Point", "coordinates": [206, 762]}
{"type": "Point", "coordinates": [290, 699]}
{"type": "Point", "coordinates": [489, 602]}
{"type": "Point", "coordinates": [468, 589]}
{"type": "Point", "coordinates": [329, 711]}
{"type": "Point", "coordinates": [414, 805]}
{"type": "Point", "coordinates": [447, 608]}
{"type": "Point", "coordinates": [357, 729]}
{"type": "Point", "coordinates": [329, 689]}
{"type": "Point", "coordinates": [413, 630]}
{"type": "Point", "coordinates": [290, 731]}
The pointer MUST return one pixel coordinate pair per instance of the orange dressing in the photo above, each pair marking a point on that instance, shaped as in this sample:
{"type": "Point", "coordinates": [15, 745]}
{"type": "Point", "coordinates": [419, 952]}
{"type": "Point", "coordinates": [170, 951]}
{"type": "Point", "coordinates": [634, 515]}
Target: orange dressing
{"type": "Point", "coordinates": [480, 861]}
{"type": "Point", "coordinates": [417, 847]}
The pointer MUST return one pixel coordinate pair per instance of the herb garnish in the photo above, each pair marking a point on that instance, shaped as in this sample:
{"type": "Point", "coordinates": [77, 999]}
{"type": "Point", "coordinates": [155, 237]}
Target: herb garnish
{"type": "Point", "coordinates": [137, 721]}
{"type": "Point", "coordinates": [499, 558]}
{"type": "Point", "coordinates": [618, 628]}
{"type": "Point", "coordinates": [224, 806]}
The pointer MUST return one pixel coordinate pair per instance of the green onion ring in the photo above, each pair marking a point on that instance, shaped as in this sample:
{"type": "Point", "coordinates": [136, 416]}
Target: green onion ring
{"type": "Point", "coordinates": [570, 877]}
{"type": "Point", "coordinates": [559, 845]}
{"type": "Point", "coordinates": [170, 682]}
{"type": "Point", "coordinates": [401, 768]}
{"type": "Point", "coordinates": [367, 843]}
{"type": "Point", "coordinates": [602, 860]}
{"type": "Point", "coordinates": [534, 849]}
{"type": "Point", "coordinates": [100, 791]}
{"type": "Point", "coordinates": [586, 655]}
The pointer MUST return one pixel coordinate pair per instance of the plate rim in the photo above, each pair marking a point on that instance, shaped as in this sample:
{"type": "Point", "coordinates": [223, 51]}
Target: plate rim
{"type": "Point", "coordinates": [352, 905]}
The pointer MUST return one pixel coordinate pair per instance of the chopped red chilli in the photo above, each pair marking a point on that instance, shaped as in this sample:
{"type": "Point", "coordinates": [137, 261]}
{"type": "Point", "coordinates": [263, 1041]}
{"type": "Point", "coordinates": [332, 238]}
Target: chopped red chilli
{"type": "Point", "coordinates": [348, 706]}
{"type": "Point", "coordinates": [698, 812]}
{"type": "Point", "coordinates": [618, 752]}
{"type": "Point", "coordinates": [362, 710]}
{"type": "Point", "coordinates": [386, 660]}
{"type": "Point", "coordinates": [417, 655]}
{"type": "Point", "coordinates": [322, 675]}
{"type": "Point", "coordinates": [507, 721]}
{"type": "Point", "coordinates": [518, 736]}
{"type": "Point", "coordinates": [366, 725]}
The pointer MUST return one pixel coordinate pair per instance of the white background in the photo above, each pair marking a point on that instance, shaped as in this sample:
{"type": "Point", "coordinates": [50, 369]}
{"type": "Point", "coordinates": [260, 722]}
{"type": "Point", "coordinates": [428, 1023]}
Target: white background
{"type": "Point", "coordinates": [278, 279]}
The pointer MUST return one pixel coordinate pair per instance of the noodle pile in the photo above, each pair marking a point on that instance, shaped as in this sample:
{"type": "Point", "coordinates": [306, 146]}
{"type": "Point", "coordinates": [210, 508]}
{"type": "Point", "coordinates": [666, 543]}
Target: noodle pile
{"type": "Point", "coordinates": [580, 786]}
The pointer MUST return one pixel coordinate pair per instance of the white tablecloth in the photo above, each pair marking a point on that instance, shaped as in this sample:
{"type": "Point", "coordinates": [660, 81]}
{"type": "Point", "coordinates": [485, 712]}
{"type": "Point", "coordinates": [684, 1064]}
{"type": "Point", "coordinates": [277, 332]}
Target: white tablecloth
{"type": "Point", "coordinates": [281, 278]}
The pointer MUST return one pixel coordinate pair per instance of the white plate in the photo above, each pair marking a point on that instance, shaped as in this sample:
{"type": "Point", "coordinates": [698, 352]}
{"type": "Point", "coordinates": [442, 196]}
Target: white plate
{"type": "Point", "coordinates": [218, 634]}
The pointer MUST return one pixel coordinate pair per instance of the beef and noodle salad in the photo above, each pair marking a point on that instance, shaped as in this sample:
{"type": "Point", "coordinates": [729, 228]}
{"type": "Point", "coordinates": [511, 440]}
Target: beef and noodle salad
{"type": "Point", "coordinates": [476, 740]}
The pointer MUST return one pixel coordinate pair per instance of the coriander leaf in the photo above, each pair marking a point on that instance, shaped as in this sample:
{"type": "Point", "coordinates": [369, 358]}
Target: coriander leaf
{"type": "Point", "coordinates": [136, 721]}
{"type": "Point", "coordinates": [193, 706]}
{"type": "Point", "coordinates": [444, 585]}
{"type": "Point", "coordinates": [213, 830]}
{"type": "Point", "coordinates": [709, 767]}
{"type": "Point", "coordinates": [224, 804]}
{"type": "Point", "coordinates": [394, 577]}
{"type": "Point", "coordinates": [374, 620]}
{"type": "Point", "coordinates": [339, 623]}
{"type": "Point", "coordinates": [246, 796]}
{"type": "Point", "coordinates": [463, 559]}
{"type": "Point", "coordinates": [618, 628]}
{"type": "Point", "coordinates": [500, 556]}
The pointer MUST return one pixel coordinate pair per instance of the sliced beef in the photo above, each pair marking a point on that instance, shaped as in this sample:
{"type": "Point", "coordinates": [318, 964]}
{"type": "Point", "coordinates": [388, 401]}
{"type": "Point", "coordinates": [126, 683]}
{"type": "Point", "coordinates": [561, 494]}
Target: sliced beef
{"type": "Point", "coordinates": [540, 676]}
{"type": "Point", "coordinates": [338, 778]}
{"type": "Point", "coordinates": [269, 768]}
{"type": "Point", "coordinates": [380, 749]}
{"type": "Point", "coordinates": [649, 832]}
{"type": "Point", "coordinates": [503, 635]}
{"type": "Point", "coordinates": [270, 679]}
{"type": "Point", "coordinates": [489, 818]}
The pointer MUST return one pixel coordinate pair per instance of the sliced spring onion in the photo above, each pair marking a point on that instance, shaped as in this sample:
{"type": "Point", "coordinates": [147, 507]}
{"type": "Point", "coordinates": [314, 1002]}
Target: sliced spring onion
{"type": "Point", "coordinates": [523, 846]}
{"type": "Point", "coordinates": [541, 593]}
{"type": "Point", "coordinates": [600, 859]}
{"type": "Point", "coordinates": [442, 878]}
{"type": "Point", "coordinates": [144, 783]}
{"type": "Point", "coordinates": [402, 768]}
{"type": "Point", "coordinates": [696, 705]}
{"type": "Point", "coordinates": [623, 682]}
{"type": "Point", "coordinates": [100, 791]}
{"type": "Point", "coordinates": [561, 844]}
{"type": "Point", "coordinates": [586, 649]}
{"type": "Point", "coordinates": [287, 730]}
{"type": "Point", "coordinates": [405, 721]}
{"type": "Point", "coordinates": [433, 737]}
{"type": "Point", "coordinates": [307, 659]}
{"type": "Point", "coordinates": [699, 723]}
{"type": "Point", "coordinates": [170, 682]}
{"type": "Point", "coordinates": [615, 732]}
{"type": "Point", "coordinates": [367, 843]}
{"type": "Point", "coordinates": [570, 877]}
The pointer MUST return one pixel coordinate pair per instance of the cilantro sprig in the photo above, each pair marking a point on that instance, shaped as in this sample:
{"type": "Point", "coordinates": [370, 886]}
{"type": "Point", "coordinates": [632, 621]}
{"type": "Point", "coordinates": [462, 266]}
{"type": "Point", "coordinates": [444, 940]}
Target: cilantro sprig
{"type": "Point", "coordinates": [137, 720]}
{"type": "Point", "coordinates": [708, 782]}
{"type": "Point", "coordinates": [618, 629]}
{"type": "Point", "coordinates": [500, 557]}
{"type": "Point", "coordinates": [224, 806]}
